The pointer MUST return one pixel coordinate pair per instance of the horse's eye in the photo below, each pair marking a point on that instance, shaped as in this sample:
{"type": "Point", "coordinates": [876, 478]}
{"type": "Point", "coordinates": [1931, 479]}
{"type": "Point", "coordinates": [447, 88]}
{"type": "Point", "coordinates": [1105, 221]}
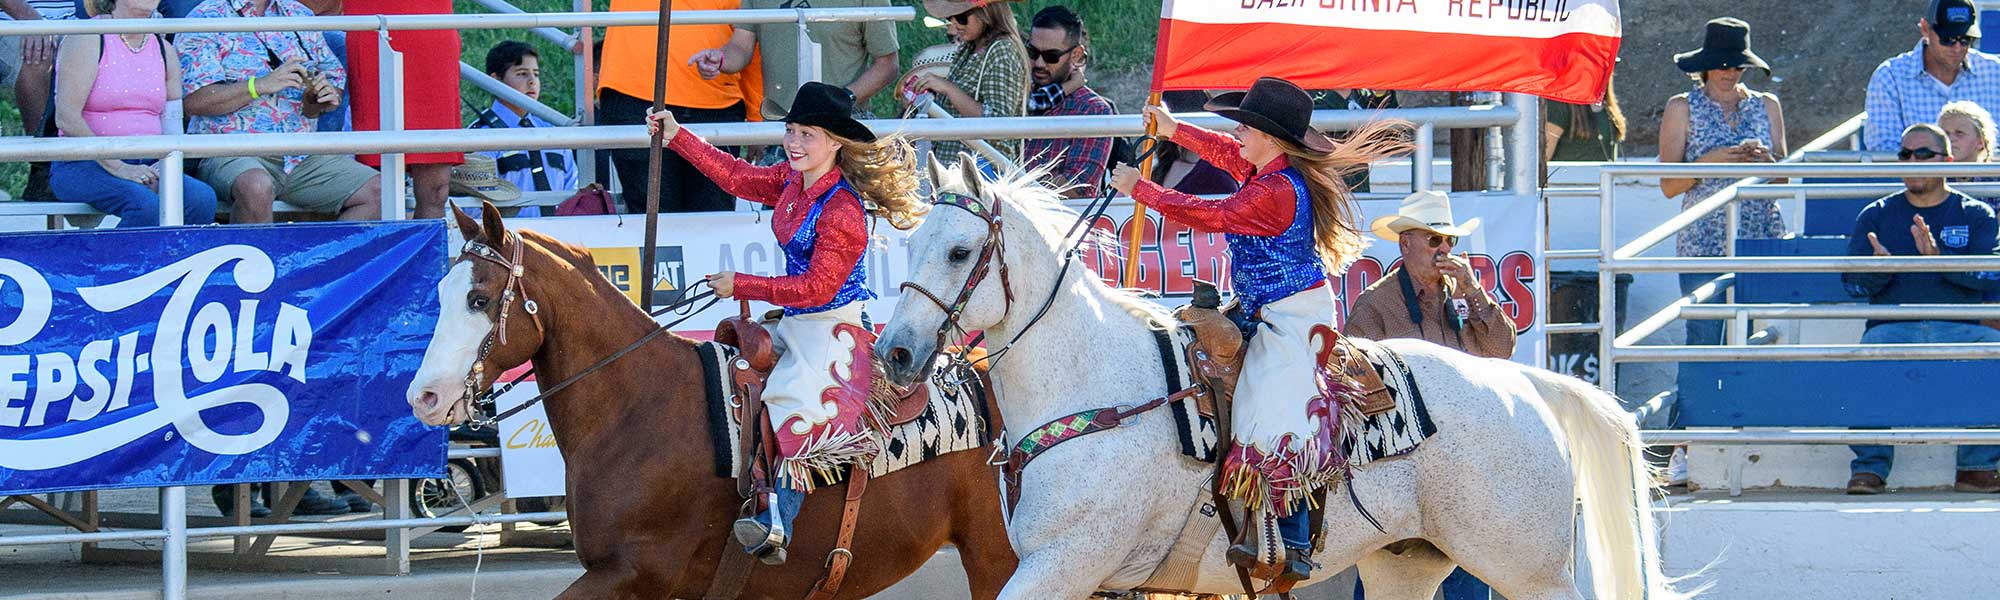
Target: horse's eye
{"type": "Point", "coordinates": [960, 254]}
{"type": "Point", "coordinates": [477, 302]}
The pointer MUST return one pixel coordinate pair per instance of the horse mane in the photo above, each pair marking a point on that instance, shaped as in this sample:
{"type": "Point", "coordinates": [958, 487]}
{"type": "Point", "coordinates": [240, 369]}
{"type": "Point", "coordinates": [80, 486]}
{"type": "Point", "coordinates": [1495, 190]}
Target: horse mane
{"type": "Point", "coordinates": [1025, 193]}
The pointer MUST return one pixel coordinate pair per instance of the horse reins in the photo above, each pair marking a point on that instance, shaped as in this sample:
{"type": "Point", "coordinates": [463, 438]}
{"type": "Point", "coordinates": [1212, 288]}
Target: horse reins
{"type": "Point", "coordinates": [516, 273]}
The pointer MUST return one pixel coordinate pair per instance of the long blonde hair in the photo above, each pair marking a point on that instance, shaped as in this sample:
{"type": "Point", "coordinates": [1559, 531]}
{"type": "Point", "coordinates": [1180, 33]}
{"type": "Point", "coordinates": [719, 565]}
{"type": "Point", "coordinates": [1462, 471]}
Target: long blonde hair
{"type": "Point", "coordinates": [885, 173]}
{"type": "Point", "coordinates": [1980, 119]}
{"type": "Point", "coordinates": [1336, 228]}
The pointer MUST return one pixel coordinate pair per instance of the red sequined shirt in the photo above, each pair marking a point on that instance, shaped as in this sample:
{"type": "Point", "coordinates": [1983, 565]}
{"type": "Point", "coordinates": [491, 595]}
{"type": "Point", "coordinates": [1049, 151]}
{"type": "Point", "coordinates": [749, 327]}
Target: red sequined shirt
{"type": "Point", "coordinates": [1264, 207]}
{"type": "Point", "coordinates": [842, 228]}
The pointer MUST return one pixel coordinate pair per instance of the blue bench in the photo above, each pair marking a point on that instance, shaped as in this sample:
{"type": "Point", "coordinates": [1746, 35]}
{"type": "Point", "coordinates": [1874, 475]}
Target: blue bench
{"type": "Point", "coordinates": [1887, 393]}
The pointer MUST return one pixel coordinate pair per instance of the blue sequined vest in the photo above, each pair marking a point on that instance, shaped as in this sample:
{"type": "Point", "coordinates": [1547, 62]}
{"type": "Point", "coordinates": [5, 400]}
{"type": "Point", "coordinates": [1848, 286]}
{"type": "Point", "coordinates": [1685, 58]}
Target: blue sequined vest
{"type": "Point", "coordinates": [1268, 269]}
{"type": "Point", "coordinates": [799, 251]}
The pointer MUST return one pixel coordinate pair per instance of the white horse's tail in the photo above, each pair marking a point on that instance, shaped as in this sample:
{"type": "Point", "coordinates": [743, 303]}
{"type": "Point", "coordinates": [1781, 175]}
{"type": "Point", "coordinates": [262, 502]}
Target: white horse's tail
{"type": "Point", "coordinates": [1616, 487]}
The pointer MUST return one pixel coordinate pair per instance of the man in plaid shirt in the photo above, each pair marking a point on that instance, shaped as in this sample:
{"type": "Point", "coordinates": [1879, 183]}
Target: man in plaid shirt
{"type": "Point", "coordinates": [1912, 87]}
{"type": "Point", "coordinates": [1057, 50]}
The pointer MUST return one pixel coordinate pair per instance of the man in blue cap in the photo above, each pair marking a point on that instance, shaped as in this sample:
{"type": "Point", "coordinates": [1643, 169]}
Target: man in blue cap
{"type": "Point", "coordinates": [1912, 87]}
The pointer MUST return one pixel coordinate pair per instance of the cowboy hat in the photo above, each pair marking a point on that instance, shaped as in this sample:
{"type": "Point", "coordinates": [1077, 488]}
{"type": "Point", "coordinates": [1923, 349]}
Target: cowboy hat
{"type": "Point", "coordinates": [935, 60]}
{"type": "Point", "coordinates": [828, 107]}
{"type": "Point", "coordinates": [1429, 210]}
{"type": "Point", "coordinates": [480, 178]}
{"type": "Point", "coordinates": [1276, 107]}
{"type": "Point", "coordinates": [950, 8]}
{"type": "Point", "coordinates": [1725, 45]}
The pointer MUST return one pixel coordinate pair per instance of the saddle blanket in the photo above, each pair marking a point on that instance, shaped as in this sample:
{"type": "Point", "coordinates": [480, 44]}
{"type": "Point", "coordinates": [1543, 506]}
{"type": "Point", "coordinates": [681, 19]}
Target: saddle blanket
{"type": "Point", "coordinates": [1362, 439]}
{"type": "Point", "coordinates": [955, 419]}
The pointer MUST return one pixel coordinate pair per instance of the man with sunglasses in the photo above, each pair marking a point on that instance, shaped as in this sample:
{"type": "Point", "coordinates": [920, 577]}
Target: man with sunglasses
{"type": "Point", "coordinates": [1433, 295]}
{"type": "Point", "coordinates": [1058, 47]}
{"type": "Point", "coordinates": [1912, 87]}
{"type": "Point", "coordinates": [1927, 218]}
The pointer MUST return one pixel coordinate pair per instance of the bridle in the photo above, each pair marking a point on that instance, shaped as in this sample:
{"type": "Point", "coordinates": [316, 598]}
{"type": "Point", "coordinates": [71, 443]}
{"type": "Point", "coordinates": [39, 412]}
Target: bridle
{"type": "Point", "coordinates": [991, 252]}
{"type": "Point", "coordinates": [512, 266]}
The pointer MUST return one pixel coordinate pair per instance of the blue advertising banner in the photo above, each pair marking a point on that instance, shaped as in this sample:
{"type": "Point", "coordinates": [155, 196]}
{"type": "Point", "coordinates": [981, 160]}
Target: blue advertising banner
{"type": "Point", "coordinates": [199, 355]}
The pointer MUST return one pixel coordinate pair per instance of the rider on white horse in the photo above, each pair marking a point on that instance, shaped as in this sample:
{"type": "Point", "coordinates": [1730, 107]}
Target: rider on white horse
{"type": "Point", "coordinates": [1292, 223]}
{"type": "Point", "coordinates": [837, 174]}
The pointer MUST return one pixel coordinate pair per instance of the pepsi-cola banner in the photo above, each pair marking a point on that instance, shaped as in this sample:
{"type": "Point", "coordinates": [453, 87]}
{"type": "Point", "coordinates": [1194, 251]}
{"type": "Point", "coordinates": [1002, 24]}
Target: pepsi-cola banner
{"type": "Point", "coordinates": [1558, 49]}
{"type": "Point", "coordinates": [1504, 253]}
{"type": "Point", "coordinates": [184, 356]}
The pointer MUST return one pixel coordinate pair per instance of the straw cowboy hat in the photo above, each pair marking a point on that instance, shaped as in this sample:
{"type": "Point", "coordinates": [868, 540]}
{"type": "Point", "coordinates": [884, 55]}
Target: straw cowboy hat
{"type": "Point", "coordinates": [1725, 45]}
{"type": "Point", "coordinates": [480, 178]}
{"type": "Point", "coordinates": [1428, 210]}
{"type": "Point", "coordinates": [951, 8]}
{"type": "Point", "coordinates": [935, 60]}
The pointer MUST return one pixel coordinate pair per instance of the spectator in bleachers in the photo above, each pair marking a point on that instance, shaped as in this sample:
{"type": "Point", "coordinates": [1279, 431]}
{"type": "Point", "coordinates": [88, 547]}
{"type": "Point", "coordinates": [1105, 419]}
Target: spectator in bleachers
{"type": "Point", "coordinates": [1583, 132]}
{"type": "Point", "coordinates": [554, 169]}
{"type": "Point", "coordinates": [864, 55]}
{"type": "Point", "coordinates": [1971, 130]}
{"type": "Point", "coordinates": [27, 64]}
{"type": "Point", "coordinates": [1183, 170]}
{"type": "Point", "coordinates": [430, 93]}
{"type": "Point", "coordinates": [989, 74]}
{"type": "Point", "coordinates": [1058, 52]}
{"type": "Point", "coordinates": [270, 82]}
{"type": "Point", "coordinates": [1927, 218]}
{"type": "Point", "coordinates": [1720, 121]}
{"type": "Point", "coordinates": [1911, 87]}
{"type": "Point", "coordinates": [340, 118]}
{"type": "Point", "coordinates": [625, 92]}
{"type": "Point", "coordinates": [122, 84]}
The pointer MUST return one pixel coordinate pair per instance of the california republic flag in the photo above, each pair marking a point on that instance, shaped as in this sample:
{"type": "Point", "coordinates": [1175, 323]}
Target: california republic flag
{"type": "Point", "coordinates": [1558, 49]}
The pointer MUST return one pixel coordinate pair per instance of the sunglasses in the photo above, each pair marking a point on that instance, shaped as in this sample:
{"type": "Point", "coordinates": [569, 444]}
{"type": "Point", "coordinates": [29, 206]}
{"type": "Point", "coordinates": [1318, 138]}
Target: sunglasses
{"type": "Point", "coordinates": [1048, 57]}
{"type": "Point", "coordinates": [1438, 239]}
{"type": "Point", "coordinates": [1917, 153]}
{"type": "Point", "coordinates": [1958, 40]}
{"type": "Point", "coordinates": [962, 19]}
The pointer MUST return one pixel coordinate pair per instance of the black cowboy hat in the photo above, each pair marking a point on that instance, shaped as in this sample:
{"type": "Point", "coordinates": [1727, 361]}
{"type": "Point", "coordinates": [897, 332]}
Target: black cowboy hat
{"type": "Point", "coordinates": [1276, 107]}
{"type": "Point", "coordinates": [829, 107]}
{"type": "Point", "coordinates": [1726, 45]}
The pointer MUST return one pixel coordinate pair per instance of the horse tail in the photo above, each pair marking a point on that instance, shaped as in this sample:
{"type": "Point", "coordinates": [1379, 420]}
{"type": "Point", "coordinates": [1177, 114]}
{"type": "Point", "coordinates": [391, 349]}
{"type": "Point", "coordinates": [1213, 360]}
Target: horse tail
{"type": "Point", "coordinates": [1616, 487]}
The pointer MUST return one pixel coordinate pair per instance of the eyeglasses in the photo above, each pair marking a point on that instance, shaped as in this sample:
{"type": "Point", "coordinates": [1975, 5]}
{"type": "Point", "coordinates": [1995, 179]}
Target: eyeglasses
{"type": "Point", "coordinates": [1917, 153]}
{"type": "Point", "coordinates": [1438, 239]}
{"type": "Point", "coordinates": [962, 19]}
{"type": "Point", "coordinates": [1048, 57]}
{"type": "Point", "coordinates": [1958, 40]}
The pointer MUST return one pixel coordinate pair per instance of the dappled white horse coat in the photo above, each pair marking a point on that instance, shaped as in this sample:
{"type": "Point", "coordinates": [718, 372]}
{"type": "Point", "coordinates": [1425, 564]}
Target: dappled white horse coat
{"type": "Point", "coordinates": [1492, 491]}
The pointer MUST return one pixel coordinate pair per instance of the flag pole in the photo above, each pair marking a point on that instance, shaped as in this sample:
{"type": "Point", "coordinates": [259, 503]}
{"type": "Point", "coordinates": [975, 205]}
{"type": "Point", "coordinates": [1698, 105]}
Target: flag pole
{"type": "Point", "coordinates": [653, 158]}
{"type": "Point", "coordinates": [1138, 222]}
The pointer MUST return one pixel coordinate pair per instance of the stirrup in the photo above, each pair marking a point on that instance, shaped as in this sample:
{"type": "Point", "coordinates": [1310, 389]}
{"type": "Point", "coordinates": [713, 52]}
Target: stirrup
{"type": "Point", "coordinates": [1298, 566]}
{"type": "Point", "coordinates": [1242, 556]}
{"type": "Point", "coordinates": [760, 541]}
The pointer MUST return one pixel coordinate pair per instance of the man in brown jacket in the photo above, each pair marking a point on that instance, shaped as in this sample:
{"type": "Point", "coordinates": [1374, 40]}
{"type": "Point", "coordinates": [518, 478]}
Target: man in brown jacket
{"type": "Point", "coordinates": [1434, 296]}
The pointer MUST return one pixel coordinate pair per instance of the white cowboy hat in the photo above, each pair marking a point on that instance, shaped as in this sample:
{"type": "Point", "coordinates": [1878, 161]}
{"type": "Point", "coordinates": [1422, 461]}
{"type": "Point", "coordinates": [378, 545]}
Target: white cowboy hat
{"type": "Point", "coordinates": [1429, 210]}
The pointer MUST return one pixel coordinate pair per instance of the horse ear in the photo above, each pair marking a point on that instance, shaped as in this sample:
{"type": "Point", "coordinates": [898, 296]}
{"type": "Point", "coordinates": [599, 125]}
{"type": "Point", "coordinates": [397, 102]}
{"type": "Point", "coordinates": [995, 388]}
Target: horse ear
{"type": "Point", "coordinates": [496, 232]}
{"type": "Point", "coordinates": [467, 227]}
{"type": "Point", "coordinates": [937, 171]}
{"type": "Point", "coordinates": [969, 168]}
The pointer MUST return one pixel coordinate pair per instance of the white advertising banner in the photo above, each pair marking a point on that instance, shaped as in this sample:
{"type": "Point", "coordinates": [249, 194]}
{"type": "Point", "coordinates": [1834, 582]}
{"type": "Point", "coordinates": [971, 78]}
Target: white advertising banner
{"type": "Point", "coordinates": [1504, 252]}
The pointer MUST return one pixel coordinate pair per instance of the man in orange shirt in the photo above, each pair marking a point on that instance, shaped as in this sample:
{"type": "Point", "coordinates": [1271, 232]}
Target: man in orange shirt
{"type": "Point", "coordinates": [625, 91]}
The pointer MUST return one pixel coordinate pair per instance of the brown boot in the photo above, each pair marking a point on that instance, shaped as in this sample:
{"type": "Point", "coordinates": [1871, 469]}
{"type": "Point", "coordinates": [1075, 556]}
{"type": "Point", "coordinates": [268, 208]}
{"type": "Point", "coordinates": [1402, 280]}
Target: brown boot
{"type": "Point", "coordinates": [1866, 484]}
{"type": "Point", "coordinates": [1978, 482]}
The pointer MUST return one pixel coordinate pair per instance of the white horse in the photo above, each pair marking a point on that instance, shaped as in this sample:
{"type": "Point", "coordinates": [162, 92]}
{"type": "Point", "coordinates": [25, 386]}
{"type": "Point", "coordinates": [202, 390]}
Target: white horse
{"type": "Point", "coordinates": [1492, 491]}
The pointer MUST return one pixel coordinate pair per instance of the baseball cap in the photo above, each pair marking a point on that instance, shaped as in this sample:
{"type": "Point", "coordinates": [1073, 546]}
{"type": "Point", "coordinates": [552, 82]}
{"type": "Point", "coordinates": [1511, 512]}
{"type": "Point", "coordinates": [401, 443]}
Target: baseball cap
{"type": "Point", "coordinates": [1953, 18]}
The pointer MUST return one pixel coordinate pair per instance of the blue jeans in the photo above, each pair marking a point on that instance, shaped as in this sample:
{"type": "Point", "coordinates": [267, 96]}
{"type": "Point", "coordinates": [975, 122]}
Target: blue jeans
{"type": "Point", "coordinates": [1877, 459]}
{"type": "Point", "coordinates": [1459, 586]}
{"type": "Point", "coordinates": [135, 205]}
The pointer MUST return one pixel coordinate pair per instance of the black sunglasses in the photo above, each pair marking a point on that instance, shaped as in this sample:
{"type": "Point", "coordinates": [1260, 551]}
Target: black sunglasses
{"type": "Point", "coordinates": [1917, 153]}
{"type": "Point", "coordinates": [1438, 239]}
{"type": "Point", "coordinates": [962, 19]}
{"type": "Point", "coordinates": [1958, 40]}
{"type": "Point", "coordinates": [1048, 57]}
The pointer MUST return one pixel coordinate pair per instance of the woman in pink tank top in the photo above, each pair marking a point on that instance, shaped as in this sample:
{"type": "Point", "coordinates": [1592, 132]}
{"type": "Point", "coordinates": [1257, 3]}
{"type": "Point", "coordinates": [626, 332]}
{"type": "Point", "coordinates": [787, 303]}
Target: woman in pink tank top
{"type": "Point", "coordinates": [114, 85]}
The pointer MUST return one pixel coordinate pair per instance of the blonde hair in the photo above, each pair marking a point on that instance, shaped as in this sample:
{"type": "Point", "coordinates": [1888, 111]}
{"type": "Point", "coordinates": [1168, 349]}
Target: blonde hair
{"type": "Point", "coordinates": [1336, 229]}
{"type": "Point", "coordinates": [884, 172]}
{"type": "Point", "coordinates": [1980, 119]}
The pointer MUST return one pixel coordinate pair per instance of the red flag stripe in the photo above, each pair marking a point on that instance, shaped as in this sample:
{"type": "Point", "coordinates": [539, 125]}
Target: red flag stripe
{"type": "Point", "coordinates": [1570, 67]}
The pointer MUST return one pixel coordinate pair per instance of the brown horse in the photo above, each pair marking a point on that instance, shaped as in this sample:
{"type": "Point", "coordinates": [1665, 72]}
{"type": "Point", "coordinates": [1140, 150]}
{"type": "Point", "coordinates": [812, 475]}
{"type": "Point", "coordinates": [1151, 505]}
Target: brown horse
{"type": "Point", "coordinates": [649, 512]}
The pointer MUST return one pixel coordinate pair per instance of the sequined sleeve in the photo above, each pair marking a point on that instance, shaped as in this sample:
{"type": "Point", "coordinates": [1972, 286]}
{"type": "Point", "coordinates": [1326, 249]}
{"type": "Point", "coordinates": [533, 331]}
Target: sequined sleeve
{"type": "Point", "coordinates": [1265, 207]}
{"type": "Point", "coordinates": [762, 185]}
{"type": "Point", "coordinates": [843, 237]}
{"type": "Point", "coordinates": [1217, 148]}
